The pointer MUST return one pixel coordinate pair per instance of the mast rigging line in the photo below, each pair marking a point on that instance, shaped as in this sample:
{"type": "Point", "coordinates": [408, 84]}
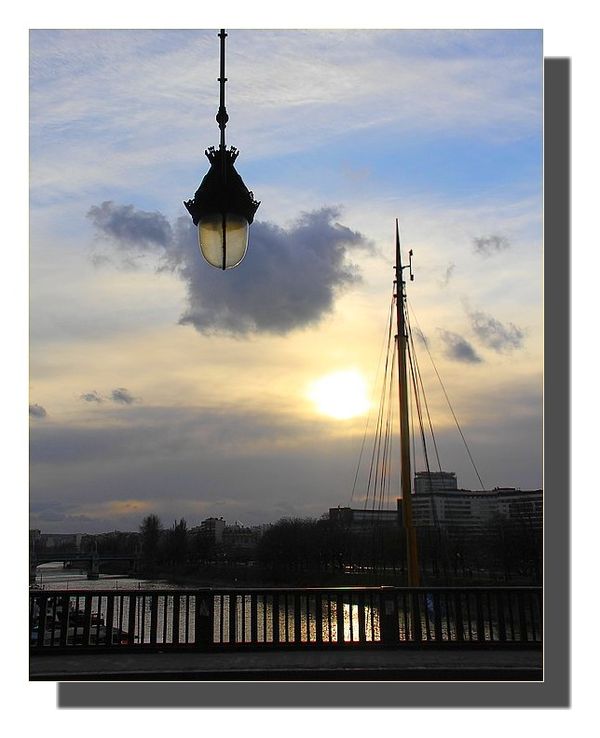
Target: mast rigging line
{"type": "Point", "coordinates": [378, 485]}
{"type": "Point", "coordinates": [417, 383]}
{"type": "Point", "coordinates": [362, 447]}
{"type": "Point", "coordinates": [414, 355]}
{"type": "Point", "coordinates": [387, 456]}
{"type": "Point", "coordinates": [419, 410]}
{"type": "Point", "coordinates": [449, 403]}
{"type": "Point", "coordinates": [380, 438]}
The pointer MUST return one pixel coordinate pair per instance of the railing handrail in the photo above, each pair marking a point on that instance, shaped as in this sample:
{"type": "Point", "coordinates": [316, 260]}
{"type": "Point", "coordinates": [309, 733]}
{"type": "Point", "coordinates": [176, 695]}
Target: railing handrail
{"type": "Point", "coordinates": [258, 590]}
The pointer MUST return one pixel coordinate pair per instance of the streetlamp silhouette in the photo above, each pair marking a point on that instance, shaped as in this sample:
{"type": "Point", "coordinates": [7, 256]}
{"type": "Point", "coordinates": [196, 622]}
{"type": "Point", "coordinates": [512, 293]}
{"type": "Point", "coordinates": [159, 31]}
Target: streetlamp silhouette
{"type": "Point", "coordinates": [222, 207]}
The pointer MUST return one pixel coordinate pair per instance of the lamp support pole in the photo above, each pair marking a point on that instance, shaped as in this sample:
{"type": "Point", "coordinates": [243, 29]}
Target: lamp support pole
{"type": "Point", "coordinates": [222, 119]}
{"type": "Point", "coordinates": [405, 480]}
{"type": "Point", "coordinates": [222, 116]}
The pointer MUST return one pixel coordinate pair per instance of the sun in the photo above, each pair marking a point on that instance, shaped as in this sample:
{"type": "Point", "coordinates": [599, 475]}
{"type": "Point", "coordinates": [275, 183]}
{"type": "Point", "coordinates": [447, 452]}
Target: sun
{"type": "Point", "coordinates": [340, 395]}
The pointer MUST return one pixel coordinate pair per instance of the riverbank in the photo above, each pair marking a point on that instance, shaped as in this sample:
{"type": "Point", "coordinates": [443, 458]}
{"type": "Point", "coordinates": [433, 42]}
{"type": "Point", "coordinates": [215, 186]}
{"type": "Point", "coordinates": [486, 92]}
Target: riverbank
{"type": "Point", "coordinates": [219, 575]}
{"type": "Point", "coordinates": [255, 576]}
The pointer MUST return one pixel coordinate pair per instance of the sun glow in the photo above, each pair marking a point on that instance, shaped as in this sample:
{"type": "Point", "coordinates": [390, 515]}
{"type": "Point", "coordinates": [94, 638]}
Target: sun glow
{"type": "Point", "coordinates": [341, 395]}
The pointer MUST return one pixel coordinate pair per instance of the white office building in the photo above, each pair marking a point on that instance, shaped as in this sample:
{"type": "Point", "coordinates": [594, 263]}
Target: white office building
{"type": "Point", "coordinates": [439, 502]}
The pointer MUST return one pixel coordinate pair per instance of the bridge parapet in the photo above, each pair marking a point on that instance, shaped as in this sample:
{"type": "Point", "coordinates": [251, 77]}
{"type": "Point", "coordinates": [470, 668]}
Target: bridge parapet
{"type": "Point", "coordinates": [232, 619]}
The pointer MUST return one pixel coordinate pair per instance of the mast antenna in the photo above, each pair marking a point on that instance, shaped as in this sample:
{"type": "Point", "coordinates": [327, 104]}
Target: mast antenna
{"type": "Point", "coordinates": [405, 478]}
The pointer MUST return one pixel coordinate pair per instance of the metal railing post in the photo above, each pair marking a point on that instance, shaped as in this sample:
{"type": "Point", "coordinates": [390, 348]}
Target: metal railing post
{"type": "Point", "coordinates": [203, 625]}
{"type": "Point", "coordinates": [389, 618]}
{"type": "Point", "coordinates": [339, 615]}
{"type": "Point", "coordinates": [131, 620]}
{"type": "Point", "coordinates": [108, 624]}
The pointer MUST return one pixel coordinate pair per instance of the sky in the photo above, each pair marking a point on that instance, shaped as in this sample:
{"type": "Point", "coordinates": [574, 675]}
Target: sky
{"type": "Point", "coordinates": [161, 385]}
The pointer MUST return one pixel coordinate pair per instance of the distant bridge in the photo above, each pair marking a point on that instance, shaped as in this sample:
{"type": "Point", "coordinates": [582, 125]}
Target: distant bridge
{"type": "Point", "coordinates": [93, 559]}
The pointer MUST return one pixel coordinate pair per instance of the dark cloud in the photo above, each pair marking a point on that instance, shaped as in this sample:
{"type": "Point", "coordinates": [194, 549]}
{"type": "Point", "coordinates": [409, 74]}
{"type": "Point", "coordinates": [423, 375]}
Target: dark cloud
{"type": "Point", "coordinates": [51, 516]}
{"type": "Point", "coordinates": [488, 245]}
{"type": "Point", "coordinates": [458, 348]}
{"type": "Point", "coordinates": [288, 280]}
{"type": "Point", "coordinates": [127, 227]}
{"type": "Point", "coordinates": [167, 433]}
{"type": "Point", "coordinates": [91, 397]}
{"type": "Point", "coordinates": [494, 334]}
{"type": "Point", "coordinates": [37, 411]}
{"type": "Point", "coordinates": [122, 396]}
{"type": "Point", "coordinates": [45, 512]}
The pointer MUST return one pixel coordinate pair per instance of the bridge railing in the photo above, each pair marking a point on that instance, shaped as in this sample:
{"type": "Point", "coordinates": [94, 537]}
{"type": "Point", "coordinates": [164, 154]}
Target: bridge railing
{"type": "Point", "coordinates": [228, 619]}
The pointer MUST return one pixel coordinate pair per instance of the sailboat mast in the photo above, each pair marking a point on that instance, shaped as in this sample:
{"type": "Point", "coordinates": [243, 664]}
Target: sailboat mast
{"type": "Point", "coordinates": [405, 479]}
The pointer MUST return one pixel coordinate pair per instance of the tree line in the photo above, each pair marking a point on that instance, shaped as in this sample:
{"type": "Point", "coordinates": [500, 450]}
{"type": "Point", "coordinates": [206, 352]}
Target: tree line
{"type": "Point", "coordinates": [499, 552]}
{"type": "Point", "coordinates": [324, 550]}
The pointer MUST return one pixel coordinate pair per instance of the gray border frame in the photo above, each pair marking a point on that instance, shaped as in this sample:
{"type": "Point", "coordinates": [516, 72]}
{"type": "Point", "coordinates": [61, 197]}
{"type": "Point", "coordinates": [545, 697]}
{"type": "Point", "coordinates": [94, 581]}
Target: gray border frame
{"type": "Point", "coordinates": [554, 691]}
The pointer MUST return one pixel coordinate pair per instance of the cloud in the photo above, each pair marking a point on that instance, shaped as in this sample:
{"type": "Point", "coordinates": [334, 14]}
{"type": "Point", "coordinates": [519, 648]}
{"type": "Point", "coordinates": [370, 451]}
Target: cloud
{"type": "Point", "coordinates": [44, 513]}
{"type": "Point", "coordinates": [244, 464]}
{"type": "Point", "coordinates": [91, 397]}
{"type": "Point", "coordinates": [209, 460]}
{"type": "Point", "coordinates": [288, 280]}
{"type": "Point", "coordinates": [421, 336]}
{"type": "Point", "coordinates": [37, 411]}
{"type": "Point", "coordinates": [458, 348]}
{"type": "Point", "coordinates": [128, 227]}
{"type": "Point", "coordinates": [122, 396]}
{"type": "Point", "coordinates": [50, 516]}
{"type": "Point", "coordinates": [488, 245]}
{"type": "Point", "coordinates": [448, 274]}
{"type": "Point", "coordinates": [139, 94]}
{"type": "Point", "coordinates": [494, 334]}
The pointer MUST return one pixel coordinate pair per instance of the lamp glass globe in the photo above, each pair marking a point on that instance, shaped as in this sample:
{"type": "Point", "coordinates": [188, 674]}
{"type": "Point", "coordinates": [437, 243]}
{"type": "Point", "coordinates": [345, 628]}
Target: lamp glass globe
{"type": "Point", "coordinates": [223, 239]}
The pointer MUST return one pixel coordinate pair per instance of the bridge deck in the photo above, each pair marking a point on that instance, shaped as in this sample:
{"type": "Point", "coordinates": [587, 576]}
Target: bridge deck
{"type": "Point", "coordinates": [360, 665]}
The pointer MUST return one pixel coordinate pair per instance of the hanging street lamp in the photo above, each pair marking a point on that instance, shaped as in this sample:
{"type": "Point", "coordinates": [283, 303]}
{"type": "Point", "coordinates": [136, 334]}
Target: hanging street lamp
{"type": "Point", "coordinates": [223, 207]}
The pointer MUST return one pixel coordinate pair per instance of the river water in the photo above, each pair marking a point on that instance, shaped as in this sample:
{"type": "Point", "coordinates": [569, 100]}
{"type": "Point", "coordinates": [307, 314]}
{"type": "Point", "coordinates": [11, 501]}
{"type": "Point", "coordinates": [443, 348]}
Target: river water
{"type": "Point", "coordinates": [53, 577]}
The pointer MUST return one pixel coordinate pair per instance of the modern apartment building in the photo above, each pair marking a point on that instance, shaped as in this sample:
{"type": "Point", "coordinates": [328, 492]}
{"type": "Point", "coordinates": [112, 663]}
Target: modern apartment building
{"type": "Point", "coordinates": [439, 502]}
{"type": "Point", "coordinates": [475, 510]}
